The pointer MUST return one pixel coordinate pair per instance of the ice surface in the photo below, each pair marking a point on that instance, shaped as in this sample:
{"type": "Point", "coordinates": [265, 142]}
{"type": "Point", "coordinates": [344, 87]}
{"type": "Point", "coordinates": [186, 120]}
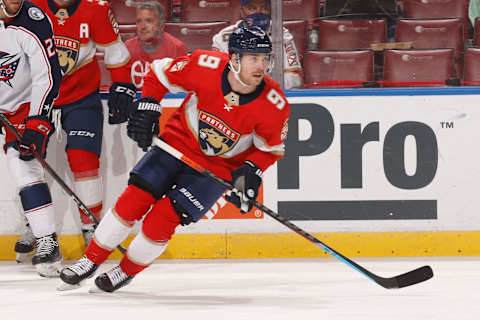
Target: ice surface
{"type": "Point", "coordinates": [277, 289]}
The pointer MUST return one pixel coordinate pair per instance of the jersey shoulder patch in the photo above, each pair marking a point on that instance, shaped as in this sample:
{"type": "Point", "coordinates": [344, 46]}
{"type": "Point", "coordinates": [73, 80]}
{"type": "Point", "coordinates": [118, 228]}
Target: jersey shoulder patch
{"type": "Point", "coordinates": [36, 14]}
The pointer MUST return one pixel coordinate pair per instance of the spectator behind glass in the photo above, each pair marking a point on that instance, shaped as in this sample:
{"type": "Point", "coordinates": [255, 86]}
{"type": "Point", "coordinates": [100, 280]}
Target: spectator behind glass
{"type": "Point", "coordinates": [257, 13]}
{"type": "Point", "coordinates": [151, 42]}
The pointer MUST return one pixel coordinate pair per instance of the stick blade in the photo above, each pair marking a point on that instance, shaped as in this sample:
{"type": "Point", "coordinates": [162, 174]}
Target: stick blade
{"type": "Point", "coordinates": [415, 276]}
{"type": "Point", "coordinates": [407, 279]}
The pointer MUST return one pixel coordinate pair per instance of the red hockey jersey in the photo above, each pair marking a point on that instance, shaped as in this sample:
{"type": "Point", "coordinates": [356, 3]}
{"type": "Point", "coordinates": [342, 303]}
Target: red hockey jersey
{"type": "Point", "coordinates": [215, 126]}
{"type": "Point", "coordinates": [79, 30]}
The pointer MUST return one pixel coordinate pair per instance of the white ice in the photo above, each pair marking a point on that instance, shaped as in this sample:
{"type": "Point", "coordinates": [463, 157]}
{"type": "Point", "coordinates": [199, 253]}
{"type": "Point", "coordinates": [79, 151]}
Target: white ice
{"type": "Point", "coordinates": [293, 289]}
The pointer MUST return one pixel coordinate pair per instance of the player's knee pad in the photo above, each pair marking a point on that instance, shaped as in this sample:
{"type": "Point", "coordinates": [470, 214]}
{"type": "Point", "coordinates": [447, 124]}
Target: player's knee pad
{"type": "Point", "coordinates": [24, 172]}
{"type": "Point", "coordinates": [161, 221]}
{"type": "Point", "coordinates": [133, 203]}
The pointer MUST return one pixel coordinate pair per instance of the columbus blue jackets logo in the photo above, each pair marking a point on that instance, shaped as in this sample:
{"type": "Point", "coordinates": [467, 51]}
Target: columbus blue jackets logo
{"type": "Point", "coordinates": [216, 137]}
{"type": "Point", "coordinates": [67, 53]}
{"type": "Point", "coordinates": [8, 67]}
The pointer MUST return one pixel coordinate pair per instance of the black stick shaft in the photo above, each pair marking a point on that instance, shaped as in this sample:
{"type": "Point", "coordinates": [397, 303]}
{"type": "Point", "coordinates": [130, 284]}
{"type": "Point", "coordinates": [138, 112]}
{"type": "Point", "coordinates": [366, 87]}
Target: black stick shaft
{"type": "Point", "coordinates": [403, 280]}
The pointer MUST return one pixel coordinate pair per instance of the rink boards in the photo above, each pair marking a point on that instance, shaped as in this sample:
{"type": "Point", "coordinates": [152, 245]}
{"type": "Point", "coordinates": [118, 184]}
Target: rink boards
{"type": "Point", "coordinates": [371, 172]}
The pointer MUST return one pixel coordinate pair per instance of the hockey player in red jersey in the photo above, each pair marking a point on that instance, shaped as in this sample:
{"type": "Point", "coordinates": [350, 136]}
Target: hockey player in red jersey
{"type": "Point", "coordinates": [233, 122]}
{"type": "Point", "coordinates": [81, 27]}
{"type": "Point", "coordinates": [29, 80]}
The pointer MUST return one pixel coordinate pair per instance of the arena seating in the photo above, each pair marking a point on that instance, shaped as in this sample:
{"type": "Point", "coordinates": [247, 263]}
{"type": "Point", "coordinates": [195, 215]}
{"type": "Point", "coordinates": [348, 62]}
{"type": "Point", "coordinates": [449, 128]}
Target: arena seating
{"type": "Point", "coordinates": [330, 68]}
{"type": "Point", "coordinates": [421, 9]}
{"type": "Point", "coordinates": [434, 33]}
{"type": "Point", "coordinates": [476, 35]}
{"type": "Point", "coordinates": [127, 31]}
{"type": "Point", "coordinates": [418, 67]}
{"type": "Point", "coordinates": [125, 10]}
{"type": "Point", "coordinates": [210, 10]}
{"type": "Point", "coordinates": [350, 34]}
{"type": "Point", "coordinates": [471, 74]}
{"type": "Point", "coordinates": [300, 9]}
{"type": "Point", "coordinates": [195, 35]}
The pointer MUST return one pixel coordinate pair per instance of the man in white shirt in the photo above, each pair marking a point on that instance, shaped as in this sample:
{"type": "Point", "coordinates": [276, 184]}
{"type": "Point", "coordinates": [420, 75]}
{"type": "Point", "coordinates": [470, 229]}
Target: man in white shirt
{"type": "Point", "coordinates": [257, 13]}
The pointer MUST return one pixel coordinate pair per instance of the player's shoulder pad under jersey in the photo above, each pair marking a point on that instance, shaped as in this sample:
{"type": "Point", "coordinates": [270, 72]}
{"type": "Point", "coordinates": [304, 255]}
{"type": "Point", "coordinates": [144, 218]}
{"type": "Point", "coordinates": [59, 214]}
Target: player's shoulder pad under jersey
{"type": "Point", "coordinates": [274, 94]}
{"type": "Point", "coordinates": [33, 19]}
{"type": "Point", "coordinates": [209, 59]}
{"type": "Point", "coordinates": [97, 4]}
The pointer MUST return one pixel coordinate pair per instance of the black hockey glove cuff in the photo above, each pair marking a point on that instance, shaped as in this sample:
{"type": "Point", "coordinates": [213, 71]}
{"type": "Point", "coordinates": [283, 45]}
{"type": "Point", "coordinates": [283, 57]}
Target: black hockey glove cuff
{"type": "Point", "coordinates": [119, 101]}
{"type": "Point", "coordinates": [35, 137]}
{"type": "Point", "coordinates": [246, 181]}
{"type": "Point", "coordinates": [143, 121]}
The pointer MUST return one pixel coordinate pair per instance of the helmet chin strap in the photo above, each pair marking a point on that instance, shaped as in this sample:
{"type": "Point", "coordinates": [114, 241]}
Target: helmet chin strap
{"type": "Point", "coordinates": [236, 73]}
{"type": "Point", "coordinates": [4, 9]}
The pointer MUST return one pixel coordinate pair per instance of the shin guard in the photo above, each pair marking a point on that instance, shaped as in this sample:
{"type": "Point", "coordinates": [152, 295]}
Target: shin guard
{"type": "Point", "coordinates": [141, 253]}
{"type": "Point", "coordinates": [88, 183]}
{"type": "Point", "coordinates": [111, 231]}
{"type": "Point", "coordinates": [160, 223]}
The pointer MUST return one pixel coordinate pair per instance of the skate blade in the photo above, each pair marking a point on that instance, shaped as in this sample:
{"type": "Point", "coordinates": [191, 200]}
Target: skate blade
{"type": "Point", "coordinates": [63, 286]}
{"type": "Point", "coordinates": [95, 289]}
{"type": "Point", "coordinates": [24, 257]}
{"type": "Point", "coordinates": [49, 270]}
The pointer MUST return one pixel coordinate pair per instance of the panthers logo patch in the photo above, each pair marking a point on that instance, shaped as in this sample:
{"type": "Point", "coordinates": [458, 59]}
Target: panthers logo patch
{"type": "Point", "coordinates": [215, 137]}
{"type": "Point", "coordinates": [67, 53]}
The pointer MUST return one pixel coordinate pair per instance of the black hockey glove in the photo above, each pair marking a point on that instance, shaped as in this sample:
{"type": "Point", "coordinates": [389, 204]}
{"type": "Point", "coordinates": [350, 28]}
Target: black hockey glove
{"type": "Point", "coordinates": [119, 100]}
{"type": "Point", "coordinates": [143, 121]}
{"type": "Point", "coordinates": [35, 137]}
{"type": "Point", "coordinates": [246, 180]}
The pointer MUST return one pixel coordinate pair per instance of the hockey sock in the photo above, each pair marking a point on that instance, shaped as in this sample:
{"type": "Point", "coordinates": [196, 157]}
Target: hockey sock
{"type": "Point", "coordinates": [37, 205]}
{"type": "Point", "coordinates": [88, 183]}
{"type": "Point", "coordinates": [111, 231]}
{"type": "Point", "coordinates": [133, 203]}
{"type": "Point", "coordinates": [160, 223]}
{"type": "Point", "coordinates": [141, 253]}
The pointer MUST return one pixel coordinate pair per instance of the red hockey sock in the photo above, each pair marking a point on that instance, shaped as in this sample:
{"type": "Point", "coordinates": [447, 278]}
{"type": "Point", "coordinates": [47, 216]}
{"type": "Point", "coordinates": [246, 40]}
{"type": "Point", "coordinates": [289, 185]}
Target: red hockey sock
{"type": "Point", "coordinates": [130, 267]}
{"type": "Point", "coordinates": [97, 254]}
{"type": "Point", "coordinates": [133, 203]}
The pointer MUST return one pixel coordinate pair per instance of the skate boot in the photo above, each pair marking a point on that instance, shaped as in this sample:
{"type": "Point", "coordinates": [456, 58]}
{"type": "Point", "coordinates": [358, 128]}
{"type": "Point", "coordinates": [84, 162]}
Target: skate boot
{"type": "Point", "coordinates": [113, 279]}
{"type": "Point", "coordinates": [25, 245]}
{"type": "Point", "coordinates": [81, 270]}
{"type": "Point", "coordinates": [88, 230]}
{"type": "Point", "coordinates": [48, 257]}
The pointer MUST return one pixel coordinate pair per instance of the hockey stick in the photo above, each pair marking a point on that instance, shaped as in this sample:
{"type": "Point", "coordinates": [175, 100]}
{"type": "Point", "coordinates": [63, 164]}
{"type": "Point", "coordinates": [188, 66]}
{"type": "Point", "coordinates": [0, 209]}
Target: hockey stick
{"type": "Point", "coordinates": [407, 279]}
{"type": "Point", "coordinates": [55, 177]}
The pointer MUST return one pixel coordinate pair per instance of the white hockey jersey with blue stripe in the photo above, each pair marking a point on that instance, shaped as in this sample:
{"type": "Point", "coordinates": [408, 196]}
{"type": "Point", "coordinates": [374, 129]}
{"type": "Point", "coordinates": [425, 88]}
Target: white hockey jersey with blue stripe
{"type": "Point", "coordinates": [29, 67]}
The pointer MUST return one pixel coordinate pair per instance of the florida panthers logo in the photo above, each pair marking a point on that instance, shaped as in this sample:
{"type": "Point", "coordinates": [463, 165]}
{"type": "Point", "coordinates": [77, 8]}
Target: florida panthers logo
{"type": "Point", "coordinates": [8, 67]}
{"type": "Point", "coordinates": [67, 53]}
{"type": "Point", "coordinates": [216, 137]}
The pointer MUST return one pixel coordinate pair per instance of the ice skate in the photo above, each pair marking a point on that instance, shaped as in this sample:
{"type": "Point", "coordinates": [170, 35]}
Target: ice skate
{"type": "Point", "coordinates": [48, 257]}
{"type": "Point", "coordinates": [25, 245]}
{"type": "Point", "coordinates": [73, 276]}
{"type": "Point", "coordinates": [112, 280]}
{"type": "Point", "coordinates": [88, 230]}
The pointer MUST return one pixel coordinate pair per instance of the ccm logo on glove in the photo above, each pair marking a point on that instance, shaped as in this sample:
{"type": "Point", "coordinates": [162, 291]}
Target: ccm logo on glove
{"type": "Point", "coordinates": [126, 90]}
